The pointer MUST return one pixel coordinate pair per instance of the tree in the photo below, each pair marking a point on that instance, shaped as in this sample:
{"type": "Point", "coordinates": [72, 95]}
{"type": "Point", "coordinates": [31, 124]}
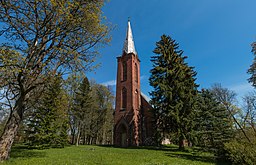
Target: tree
{"type": "Point", "coordinates": [252, 69]}
{"type": "Point", "coordinates": [47, 123]}
{"type": "Point", "coordinates": [213, 124]}
{"type": "Point", "coordinates": [227, 99]}
{"type": "Point", "coordinates": [104, 112]}
{"type": "Point", "coordinates": [242, 148]}
{"type": "Point", "coordinates": [82, 107]}
{"type": "Point", "coordinates": [249, 113]}
{"type": "Point", "coordinates": [92, 115]}
{"type": "Point", "coordinates": [71, 87]}
{"type": "Point", "coordinates": [174, 91]}
{"type": "Point", "coordinates": [42, 39]}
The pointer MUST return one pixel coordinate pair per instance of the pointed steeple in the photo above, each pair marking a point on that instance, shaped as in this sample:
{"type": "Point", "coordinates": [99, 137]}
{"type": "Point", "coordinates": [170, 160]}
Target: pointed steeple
{"type": "Point", "coordinates": [129, 43]}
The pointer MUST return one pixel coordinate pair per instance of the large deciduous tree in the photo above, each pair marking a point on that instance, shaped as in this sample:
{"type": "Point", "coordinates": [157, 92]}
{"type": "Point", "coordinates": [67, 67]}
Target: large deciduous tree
{"type": "Point", "coordinates": [174, 89]}
{"type": "Point", "coordinates": [227, 99]}
{"type": "Point", "coordinates": [43, 38]}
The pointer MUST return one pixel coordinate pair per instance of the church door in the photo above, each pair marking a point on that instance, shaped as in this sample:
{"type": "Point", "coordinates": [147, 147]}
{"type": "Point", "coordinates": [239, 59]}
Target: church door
{"type": "Point", "coordinates": [124, 139]}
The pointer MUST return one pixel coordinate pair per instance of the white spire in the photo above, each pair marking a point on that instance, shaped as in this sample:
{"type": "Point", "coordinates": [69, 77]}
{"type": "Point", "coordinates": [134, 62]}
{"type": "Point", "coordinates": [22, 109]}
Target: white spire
{"type": "Point", "coordinates": [129, 43]}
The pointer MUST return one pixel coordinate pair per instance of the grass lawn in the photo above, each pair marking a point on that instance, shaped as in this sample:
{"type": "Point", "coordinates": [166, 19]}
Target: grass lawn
{"type": "Point", "coordinates": [106, 155]}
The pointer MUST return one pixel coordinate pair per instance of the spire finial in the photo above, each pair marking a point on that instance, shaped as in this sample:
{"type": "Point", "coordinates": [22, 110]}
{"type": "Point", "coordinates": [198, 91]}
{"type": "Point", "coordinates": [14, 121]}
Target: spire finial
{"type": "Point", "coordinates": [129, 19]}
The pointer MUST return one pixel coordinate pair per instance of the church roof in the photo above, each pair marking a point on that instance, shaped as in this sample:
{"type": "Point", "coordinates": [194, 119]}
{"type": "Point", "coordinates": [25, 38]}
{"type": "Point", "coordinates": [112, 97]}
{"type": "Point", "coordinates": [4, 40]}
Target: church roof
{"type": "Point", "coordinates": [129, 43]}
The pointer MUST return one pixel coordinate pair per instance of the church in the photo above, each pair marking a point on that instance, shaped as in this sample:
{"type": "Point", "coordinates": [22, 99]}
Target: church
{"type": "Point", "coordinates": [133, 124]}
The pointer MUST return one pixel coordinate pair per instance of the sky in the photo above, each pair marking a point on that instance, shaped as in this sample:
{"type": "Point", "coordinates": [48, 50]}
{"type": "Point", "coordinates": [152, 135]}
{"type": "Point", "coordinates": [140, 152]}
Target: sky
{"type": "Point", "coordinates": [216, 35]}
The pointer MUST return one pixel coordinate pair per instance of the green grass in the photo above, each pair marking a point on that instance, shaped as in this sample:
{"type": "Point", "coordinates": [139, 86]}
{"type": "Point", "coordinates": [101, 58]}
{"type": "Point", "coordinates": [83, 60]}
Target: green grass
{"type": "Point", "coordinates": [106, 155]}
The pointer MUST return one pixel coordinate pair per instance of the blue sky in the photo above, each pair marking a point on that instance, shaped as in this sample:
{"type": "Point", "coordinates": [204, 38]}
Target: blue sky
{"type": "Point", "coordinates": [214, 34]}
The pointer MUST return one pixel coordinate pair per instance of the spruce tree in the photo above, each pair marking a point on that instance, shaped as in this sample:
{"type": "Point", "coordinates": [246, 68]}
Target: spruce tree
{"type": "Point", "coordinates": [82, 108]}
{"type": "Point", "coordinates": [48, 125]}
{"type": "Point", "coordinates": [252, 69]}
{"type": "Point", "coordinates": [213, 124]}
{"type": "Point", "coordinates": [174, 90]}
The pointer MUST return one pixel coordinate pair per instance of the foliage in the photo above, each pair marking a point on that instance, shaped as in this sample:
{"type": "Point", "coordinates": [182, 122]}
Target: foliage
{"type": "Point", "coordinates": [90, 112]}
{"type": "Point", "coordinates": [248, 115]}
{"type": "Point", "coordinates": [91, 155]}
{"type": "Point", "coordinates": [44, 38]}
{"type": "Point", "coordinates": [227, 99]}
{"type": "Point", "coordinates": [213, 124]}
{"type": "Point", "coordinates": [174, 89]}
{"type": "Point", "coordinates": [47, 121]}
{"type": "Point", "coordinates": [104, 122]}
{"type": "Point", "coordinates": [241, 152]}
{"type": "Point", "coordinates": [83, 103]}
{"type": "Point", "coordinates": [71, 86]}
{"type": "Point", "coordinates": [252, 69]}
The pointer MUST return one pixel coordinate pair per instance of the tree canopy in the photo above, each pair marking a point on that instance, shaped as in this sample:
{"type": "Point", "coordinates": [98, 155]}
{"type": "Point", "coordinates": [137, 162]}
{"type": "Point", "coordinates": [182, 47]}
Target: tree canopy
{"type": "Point", "coordinates": [43, 38]}
{"type": "Point", "coordinates": [174, 89]}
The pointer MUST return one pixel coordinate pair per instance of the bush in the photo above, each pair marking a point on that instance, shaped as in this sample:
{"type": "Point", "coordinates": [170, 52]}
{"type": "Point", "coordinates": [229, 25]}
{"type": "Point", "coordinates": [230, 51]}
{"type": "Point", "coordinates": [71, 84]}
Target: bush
{"type": "Point", "coordinates": [239, 152]}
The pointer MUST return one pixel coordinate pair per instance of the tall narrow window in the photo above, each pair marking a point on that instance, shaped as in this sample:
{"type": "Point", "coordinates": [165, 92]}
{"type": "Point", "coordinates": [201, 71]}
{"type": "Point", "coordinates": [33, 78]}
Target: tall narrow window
{"type": "Point", "coordinates": [136, 73]}
{"type": "Point", "coordinates": [124, 98]}
{"type": "Point", "coordinates": [136, 99]}
{"type": "Point", "coordinates": [124, 71]}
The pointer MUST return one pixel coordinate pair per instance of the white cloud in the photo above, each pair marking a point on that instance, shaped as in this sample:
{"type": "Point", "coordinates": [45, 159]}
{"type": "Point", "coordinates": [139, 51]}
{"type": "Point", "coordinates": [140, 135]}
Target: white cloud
{"type": "Point", "coordinates": [242, 89]}
{"type": "Point", "coordinates": [146, 96]}
{"type": "Point", "coordinates": [109, 83]}
{"type": "Point", "coordinates": [142, 77]}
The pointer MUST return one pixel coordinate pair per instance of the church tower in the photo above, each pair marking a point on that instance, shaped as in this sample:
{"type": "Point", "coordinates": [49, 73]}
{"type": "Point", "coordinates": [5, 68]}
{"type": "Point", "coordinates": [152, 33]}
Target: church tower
{"type": "Point", "coordinates": [128, 98]}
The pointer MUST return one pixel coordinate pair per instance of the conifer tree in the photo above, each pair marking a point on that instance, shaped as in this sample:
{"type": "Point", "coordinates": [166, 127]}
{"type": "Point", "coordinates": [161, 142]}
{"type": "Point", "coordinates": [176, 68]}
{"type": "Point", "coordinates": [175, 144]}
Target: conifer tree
{"type": "Point", "coordinates": [174, 90]}
{"type": "Point", "coordinates": [82, 107]}
{"type": "Point", "coordinates": [104, 112]}
{"type": "Point", "coordinates": [213, 124]}
{"type": "Point", "coordinates": [42, 38]}
{"type": "Point", "coordinates": [47, 125]}
{"type": "Point", "coordinates": [252, 69]}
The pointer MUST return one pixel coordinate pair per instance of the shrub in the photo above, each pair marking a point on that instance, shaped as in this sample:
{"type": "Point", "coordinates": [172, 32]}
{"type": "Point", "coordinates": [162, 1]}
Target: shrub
{"type": "Point", "coordinates": [240, 152]}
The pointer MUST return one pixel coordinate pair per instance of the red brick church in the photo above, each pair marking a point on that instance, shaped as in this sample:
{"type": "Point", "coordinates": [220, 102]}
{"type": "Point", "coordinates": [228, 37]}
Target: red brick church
{"type": "Point", "coordinates": [132, 117]}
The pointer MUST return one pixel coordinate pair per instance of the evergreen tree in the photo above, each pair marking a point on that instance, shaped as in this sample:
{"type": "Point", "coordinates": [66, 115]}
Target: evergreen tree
{"type": "Point", "coordinates": [252, 69]}
{"type": "Point", "coordinates": [47, 127]}
{"type": "Point", "coordinates": [91, 112]}
{"type": "Point", "coordinates": [44, 37]}
{"type": "Point", "coordinates": [82, 107]}
{"type": "Point", "coordinates": [213, 123]}
{"type": "Point", "coordinates": [174, 90]}
{"type": "Point", "coordinates": [104, 112]}
{"type": "Point", "coordinates": [71, 85]}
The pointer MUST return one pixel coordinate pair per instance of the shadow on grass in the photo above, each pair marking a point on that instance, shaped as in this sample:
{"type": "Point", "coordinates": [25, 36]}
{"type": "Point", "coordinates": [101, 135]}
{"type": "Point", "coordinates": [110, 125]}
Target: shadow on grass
{"type": "Point", "coordinates": [207, 159]}
{"type": "Point", "coordinates": [193, 154]}
{"type": "Point", "coordinates": [162, 148]}
{"type": "Point", "coordinates": [25, 152]}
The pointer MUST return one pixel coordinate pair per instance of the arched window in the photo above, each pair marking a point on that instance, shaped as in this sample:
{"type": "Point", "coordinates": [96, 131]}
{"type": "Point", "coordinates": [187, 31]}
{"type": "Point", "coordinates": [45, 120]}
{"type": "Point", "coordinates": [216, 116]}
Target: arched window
{"type": "Point", "coordinates": [136, 99]}
{"type": "Point", "coordinates": [136, 73]}
{"type": "Point", "coordinates": [124, 71]}
{"type": "Point", "coordinates": [124, 98]}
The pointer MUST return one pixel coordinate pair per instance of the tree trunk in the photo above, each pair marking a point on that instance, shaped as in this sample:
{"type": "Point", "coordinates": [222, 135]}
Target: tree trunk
{"type": "Point", "coordinates": [8, 136]}
{"type": "Point", "coordinates": [73, 134]}
{"type": "Point", "coordinates": [78, 137]}
{"type": "Point", "coordinates": [11, 128]}
{"type": "Point", "coordinates": [104, 137]}
{"type": "Point", "coordinates": [181, 143]}
{"type": "Point", "coordinates": [84, 139]}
